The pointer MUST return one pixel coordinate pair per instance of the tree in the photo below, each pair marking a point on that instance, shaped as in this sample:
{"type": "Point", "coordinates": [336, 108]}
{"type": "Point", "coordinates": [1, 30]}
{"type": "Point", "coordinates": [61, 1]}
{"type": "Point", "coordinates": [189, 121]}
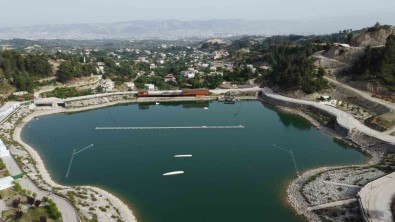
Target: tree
{"type": "Point", "coordinates": [30, 200]}
{"type": "Point", "coordinates": [350, 36]}
{"type": "Point", "coordinates": [377, 25]}
{"type": "Point", "coordinates": [65, 72]}
{"type": "Point", "coordinates": [321, 72]}
{"type": "Point", "coordinates": [17, 214]}
{"type": "Point", "coordinates": [37, 203]}
{"type": "Point", "coordinates": [15, 203]}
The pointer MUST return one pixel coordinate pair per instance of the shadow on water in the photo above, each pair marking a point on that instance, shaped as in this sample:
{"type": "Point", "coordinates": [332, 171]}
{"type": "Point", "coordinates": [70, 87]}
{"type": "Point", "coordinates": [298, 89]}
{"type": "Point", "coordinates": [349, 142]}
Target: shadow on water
{"type": "Point", "coordinates": [184, 104]}
{"type": "Point", "coordinates": [289, 119]}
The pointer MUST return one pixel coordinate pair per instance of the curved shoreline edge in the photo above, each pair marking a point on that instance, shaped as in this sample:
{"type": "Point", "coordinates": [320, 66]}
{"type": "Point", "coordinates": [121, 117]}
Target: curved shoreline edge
{"type": "Point", "coordinates": [295, 199]}
{"type": "Point", "coordinates": [125, 212]}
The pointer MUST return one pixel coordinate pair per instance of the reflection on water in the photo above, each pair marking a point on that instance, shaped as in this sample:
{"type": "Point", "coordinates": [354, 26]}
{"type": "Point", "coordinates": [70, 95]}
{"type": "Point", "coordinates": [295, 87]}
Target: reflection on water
{"type": "Point", "coordinates": [290, 120]}
{"type": "Point", "coordinates": [184, 104]}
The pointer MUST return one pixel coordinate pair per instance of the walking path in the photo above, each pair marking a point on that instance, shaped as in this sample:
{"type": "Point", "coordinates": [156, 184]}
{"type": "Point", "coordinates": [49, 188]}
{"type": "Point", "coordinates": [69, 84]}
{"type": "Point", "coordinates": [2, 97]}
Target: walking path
{"type": "Point", "coordinates": [376, 197]}
{"type": "Point", "coordinates": [68, 211]}
{"type": "Point", "coordinates": [343, 119]}
{"type": "Point", "coordinates": [332, 204]}
{"type": "Point", "coordinates": [364, 94]}
{"type": "Point", "coordinates": [342, 184]}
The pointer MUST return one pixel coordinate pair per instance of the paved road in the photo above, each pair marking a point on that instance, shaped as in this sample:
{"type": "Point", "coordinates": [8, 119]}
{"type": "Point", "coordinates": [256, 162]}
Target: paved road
{"type": "Point", "coordinates": [375, 196]}
{"type": "Point", "coordinates": [376, 199]}
{"type": "Point", "coordinates": [332, 204]}
{"type": "Point", "coordinates": [364, 94]}
{"type": "Point", "coordinates": [67, 210]}
{"type": "Point", "coordinates": [344, 119]}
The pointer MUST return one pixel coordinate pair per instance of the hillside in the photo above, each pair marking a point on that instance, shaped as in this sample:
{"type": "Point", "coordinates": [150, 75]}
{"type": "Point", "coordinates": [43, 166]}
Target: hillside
{"type": "Point", "coordinates": [374, 36]}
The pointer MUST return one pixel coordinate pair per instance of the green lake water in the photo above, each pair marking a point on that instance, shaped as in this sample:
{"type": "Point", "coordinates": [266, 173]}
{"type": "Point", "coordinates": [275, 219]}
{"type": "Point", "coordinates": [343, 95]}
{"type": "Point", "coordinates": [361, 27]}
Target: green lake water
{"type": "Point", "coordinates": [234, 174]}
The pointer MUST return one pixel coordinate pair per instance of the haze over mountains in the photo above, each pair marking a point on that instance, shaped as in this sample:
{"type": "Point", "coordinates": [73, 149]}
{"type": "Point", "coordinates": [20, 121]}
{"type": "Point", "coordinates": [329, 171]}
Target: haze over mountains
{"type": "Point", "coordinates": [176, 29]}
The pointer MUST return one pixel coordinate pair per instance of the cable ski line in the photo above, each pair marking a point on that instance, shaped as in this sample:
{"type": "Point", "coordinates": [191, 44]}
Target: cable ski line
{"type": "Point", "coordinates": [72, 158]}
{"type": "Point", "coordinates": [79, 151]}
{"type": "Point", "coordinates": [292, 155]}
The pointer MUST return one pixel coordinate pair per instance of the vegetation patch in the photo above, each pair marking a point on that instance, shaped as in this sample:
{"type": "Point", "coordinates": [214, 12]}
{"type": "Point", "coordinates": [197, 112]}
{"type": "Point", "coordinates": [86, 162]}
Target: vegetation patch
{"type": "Point", "coordinates": [67, 92]}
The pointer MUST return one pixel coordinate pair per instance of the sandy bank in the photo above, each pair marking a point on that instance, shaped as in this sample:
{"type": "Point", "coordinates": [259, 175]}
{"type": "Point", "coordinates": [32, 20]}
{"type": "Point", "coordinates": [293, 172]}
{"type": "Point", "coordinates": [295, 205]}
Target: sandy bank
{"type": "Point", "coordinates": [125, 212]}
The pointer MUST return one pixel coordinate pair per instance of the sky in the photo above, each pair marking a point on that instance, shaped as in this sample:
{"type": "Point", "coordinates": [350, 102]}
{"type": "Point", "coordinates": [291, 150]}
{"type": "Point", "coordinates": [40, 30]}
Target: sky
{"type": "Point", "coordinates": [39, 12]}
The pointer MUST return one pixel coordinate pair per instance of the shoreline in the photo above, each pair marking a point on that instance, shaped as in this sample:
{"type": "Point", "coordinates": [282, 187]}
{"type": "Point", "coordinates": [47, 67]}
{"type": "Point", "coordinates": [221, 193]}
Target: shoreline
{"type": "Point", "coordinates": [293, 195]}
{"type": "Point", "coordinates": [125, 211]}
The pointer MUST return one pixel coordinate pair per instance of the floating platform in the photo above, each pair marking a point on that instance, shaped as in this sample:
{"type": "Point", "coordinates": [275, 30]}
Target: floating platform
{"type": "Point", "coordinates": [183, 155]}
{"type": "Point", "coordinates": [170, 127]}
{"type": "Point", "coordinates": [173, 173]}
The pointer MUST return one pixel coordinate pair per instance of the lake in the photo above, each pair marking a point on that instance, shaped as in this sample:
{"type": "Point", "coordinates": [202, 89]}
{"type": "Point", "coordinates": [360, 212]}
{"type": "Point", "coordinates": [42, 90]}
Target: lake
{"type": "Point", "coordinates": [234, 175]}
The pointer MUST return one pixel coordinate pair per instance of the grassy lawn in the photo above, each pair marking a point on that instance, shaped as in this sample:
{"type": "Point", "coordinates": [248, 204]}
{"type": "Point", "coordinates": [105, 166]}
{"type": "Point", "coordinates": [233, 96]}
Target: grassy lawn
{"type": "Point", "coordinates": [8, 195]}
{"type": "Point", "coordinates": [31, 215]}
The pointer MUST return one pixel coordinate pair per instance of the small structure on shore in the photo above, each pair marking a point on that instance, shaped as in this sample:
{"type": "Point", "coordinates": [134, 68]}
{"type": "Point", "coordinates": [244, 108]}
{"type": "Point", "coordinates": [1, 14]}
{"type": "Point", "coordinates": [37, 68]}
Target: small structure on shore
{"type": "Point", "coordinates": [3, 150]}
{"type": "Point", "coordinates": [6, 182]}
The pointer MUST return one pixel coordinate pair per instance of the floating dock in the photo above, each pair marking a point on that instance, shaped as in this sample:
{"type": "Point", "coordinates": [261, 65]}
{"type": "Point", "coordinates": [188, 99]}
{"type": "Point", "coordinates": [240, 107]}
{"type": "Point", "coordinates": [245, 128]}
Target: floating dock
{"type": "Point", "coordinates": [170, 127]}
{"type": "Point", "coordinates": [183, 155]}
{"type": "Point", "coordinates": [173, 173]}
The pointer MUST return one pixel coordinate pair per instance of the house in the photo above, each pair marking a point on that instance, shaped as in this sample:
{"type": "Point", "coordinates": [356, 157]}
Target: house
{"type": "Point", "coordinates": [265, 67]}
{"type": "Point", "coordinates": [149, 86]}
{"type": "Point", "coordinates": [107, 85]}
{"type": "Point", "coordinates": [3, 150]}
{"type": "Point", "coordinates": [169, 77]}
{"type": "Point", "coordinates": [130, 85]}
{"type": "Point", "coordinates": [190, 74]}
{"type": "Point", "coordinates": [325, 98]}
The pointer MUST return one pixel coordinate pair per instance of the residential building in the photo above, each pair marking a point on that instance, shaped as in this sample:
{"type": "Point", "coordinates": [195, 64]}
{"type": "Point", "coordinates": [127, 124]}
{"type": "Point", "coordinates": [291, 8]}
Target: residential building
{"type": "Point", "coordinates": [169, 77]}
{"type": "Point", "coordinates": [149, 87]}
{"type": "Point", "coordinates": [107, 85]}
{"type": "Point", "coordinates": [130, 85]}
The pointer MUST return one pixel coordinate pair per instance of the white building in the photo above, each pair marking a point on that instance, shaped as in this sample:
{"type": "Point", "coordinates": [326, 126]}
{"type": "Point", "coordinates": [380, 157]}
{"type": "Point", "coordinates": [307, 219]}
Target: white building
{"type": "Point", "coordinates": [130, 85]}
{"type": "Point", "coordinates": [107, 85]}
{"type": "Point", "coordinates": [150, 87]}
{"type": "Point", "coordinates": [3, 150]}
{"type": "Point", "coordinates": [6, 182]}
{"type": "Point", "coordinates": [190, 74]}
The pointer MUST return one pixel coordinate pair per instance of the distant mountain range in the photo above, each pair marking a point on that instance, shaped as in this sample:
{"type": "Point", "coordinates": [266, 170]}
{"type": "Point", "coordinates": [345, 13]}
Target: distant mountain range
{"type": "Point", "coordinates": [176, 29]}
